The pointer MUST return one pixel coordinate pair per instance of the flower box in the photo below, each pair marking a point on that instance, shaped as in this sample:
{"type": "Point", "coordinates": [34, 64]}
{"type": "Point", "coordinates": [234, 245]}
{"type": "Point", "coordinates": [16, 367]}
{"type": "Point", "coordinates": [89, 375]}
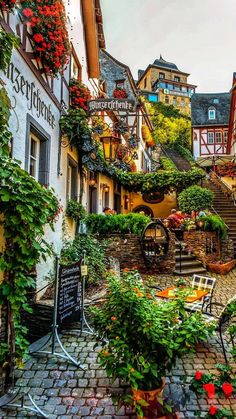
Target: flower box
{"type": "Point", "coordinates": [221, 268]}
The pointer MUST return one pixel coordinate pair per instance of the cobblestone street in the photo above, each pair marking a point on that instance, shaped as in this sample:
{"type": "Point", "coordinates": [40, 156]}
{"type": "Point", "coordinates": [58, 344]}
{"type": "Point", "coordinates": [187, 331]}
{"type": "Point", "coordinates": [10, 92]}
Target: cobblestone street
{"type": "Point", "coordinates": [65, 391]}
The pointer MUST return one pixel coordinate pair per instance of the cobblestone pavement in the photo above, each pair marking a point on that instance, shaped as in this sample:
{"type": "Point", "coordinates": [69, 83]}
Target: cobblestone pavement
{"type": "Point", "coordinates": [65, 391]}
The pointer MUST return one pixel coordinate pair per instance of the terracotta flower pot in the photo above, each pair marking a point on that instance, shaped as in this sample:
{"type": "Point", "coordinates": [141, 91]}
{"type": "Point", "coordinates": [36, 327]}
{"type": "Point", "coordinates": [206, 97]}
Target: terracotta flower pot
{"type": "Point", "coordinates": [223, 268]}
{"type": "Point", "coordinates": [152, 397]}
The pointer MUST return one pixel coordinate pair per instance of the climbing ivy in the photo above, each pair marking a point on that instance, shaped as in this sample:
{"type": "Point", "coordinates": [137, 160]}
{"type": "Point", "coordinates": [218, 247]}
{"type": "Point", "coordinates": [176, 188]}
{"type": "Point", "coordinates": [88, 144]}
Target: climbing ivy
{"type": "Point", "coordinates": [25, 207]}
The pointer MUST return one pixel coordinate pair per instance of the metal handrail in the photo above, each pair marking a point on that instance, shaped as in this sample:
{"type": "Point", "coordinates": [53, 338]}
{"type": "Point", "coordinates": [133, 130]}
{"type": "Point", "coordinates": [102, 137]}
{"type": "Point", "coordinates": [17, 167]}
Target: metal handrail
{"type": "Point", "coordinates": [226, 186]}
{"type": "Point", "coordinates": [216, 213]}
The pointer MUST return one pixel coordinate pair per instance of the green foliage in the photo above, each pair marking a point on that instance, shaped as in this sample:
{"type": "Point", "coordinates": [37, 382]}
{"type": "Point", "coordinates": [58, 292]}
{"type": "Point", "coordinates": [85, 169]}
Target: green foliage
{"type": "Point", "coordinates": [95, 256]}
{"type": "Point", "coordinates": [170, 127]}
{"type": "Point", "coordinates": [120, 223]}
{"type": "Point", "coordinates": [215, 223]}
{"type": "Point", "coordinates": [185, 153]}
{"type": "Point", "coordinates": [167, 164]}
{"type": "Point", "coordinates": [75, 210]}
{"type": "Point", "coordinates": [162, 181]}
{"type": "Point", "coordinates": [142, 338]}
{"type": "Point", "coordinates": [7, 42]}
{"type": "Point", "coordinates": [26, 207]}
{"type": "Point", "coordinates": [195, 198]}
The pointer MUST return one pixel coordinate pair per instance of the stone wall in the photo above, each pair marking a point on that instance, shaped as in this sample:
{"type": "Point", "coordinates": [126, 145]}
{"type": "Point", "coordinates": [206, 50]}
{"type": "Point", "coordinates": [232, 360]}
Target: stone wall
{"type": "Point", "coordinates": [39, 322]}
{"type": "Point", "coordinates": [204, 244]}
{"type": "Point", "coordinates": [127, 249]}
{"type": "Point", "coordinates": [227, 250]}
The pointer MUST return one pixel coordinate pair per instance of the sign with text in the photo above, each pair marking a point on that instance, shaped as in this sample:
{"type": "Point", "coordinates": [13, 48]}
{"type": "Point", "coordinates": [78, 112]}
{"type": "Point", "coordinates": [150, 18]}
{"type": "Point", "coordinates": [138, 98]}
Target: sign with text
{"type": "Point", "coordinates": [98, 105]}
{"type": "Point", "coordinates": [69, 294]}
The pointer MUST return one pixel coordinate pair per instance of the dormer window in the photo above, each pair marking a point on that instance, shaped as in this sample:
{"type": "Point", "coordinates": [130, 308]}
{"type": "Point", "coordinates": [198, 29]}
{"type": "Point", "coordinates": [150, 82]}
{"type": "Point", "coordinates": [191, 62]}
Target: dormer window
{"type": "Point", "coordinates": [120, 84]}
{"type": "Point", "coordinates": [211, 113]}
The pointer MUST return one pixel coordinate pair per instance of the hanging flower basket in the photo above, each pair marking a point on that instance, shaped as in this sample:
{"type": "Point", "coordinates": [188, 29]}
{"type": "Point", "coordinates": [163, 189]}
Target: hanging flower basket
{"type": "Point", "coordinates": [8, 5]}
{"type": "Point", "coordinates": [147, 136]}
{"type": "Point", "coordinates": [120, 94]}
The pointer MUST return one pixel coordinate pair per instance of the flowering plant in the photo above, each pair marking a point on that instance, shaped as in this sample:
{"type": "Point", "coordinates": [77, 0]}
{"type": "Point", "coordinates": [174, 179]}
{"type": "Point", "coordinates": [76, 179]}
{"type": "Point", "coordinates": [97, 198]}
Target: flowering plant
{"type": "Point", "coordinates": [218, 413]}
{"type": "Point", "coordinates": [8, 4]}
{"type": "Point", "coordinates": [142, 338]}
{"type": "Point", "coordinates": [79, 95]}
{"type": "Point", "coordinates": [47, 20]}
{"type": "Point", "coordinates": [120, 93]}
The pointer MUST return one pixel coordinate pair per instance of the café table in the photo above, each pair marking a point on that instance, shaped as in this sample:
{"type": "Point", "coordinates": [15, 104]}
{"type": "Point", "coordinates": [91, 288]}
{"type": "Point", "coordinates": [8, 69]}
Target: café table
{"type": "Point", "coordinates": [190, 295]}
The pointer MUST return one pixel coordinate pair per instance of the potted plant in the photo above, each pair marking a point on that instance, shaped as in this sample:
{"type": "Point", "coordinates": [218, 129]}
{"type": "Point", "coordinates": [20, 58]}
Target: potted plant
{"type": "Point", "coordinates": [219, 266]}
{"type": "Point", "coordinates": [143, 337]}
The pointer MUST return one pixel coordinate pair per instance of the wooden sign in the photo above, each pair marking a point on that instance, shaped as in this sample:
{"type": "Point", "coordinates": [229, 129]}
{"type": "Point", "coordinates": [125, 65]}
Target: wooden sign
{"type": "Point", "coordinates": [69, 294]}
{"type": "Point", "coordinates": [98, 105]}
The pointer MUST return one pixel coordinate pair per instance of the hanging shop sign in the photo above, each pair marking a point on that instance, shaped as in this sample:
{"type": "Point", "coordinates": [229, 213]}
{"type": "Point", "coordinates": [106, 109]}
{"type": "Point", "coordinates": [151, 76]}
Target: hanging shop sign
{"type": "Point", "coordinates": [21, 85]}
{"type": "Point", "coordinates": [98, 105]}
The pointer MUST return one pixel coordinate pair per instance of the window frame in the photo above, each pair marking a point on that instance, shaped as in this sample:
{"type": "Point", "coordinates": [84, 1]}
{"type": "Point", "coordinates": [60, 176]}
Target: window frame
{"type": "Point", "coordinates": [225, 137]}
{"type": "Point", "coordinates": [211, 110]}
{"type": "Point", "coordinates": [213, 137]}
{"type": "Point", "coordinates": [33, 127]}
{"type": "Point", "coordinates": [216, 137]}
{"type": "Point", "coordinates": [72, 180]}
{"type": "Point", "coordinates": [162, 76]}
{"type": "Point", "coordinates": [177, 79]}
{"type": "Point", "coordinates": [34, 158]}
{"type": "Point", "coordinates": [74, 57]}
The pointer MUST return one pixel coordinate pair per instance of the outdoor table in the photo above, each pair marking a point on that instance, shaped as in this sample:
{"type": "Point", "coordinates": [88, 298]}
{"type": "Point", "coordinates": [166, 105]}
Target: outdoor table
{"type": "Point", "coordinates": [194, 294]}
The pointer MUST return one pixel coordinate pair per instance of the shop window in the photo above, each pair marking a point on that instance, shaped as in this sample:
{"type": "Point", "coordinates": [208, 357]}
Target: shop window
{"type": "Point", "coordinates": [210, 138]}
{"type": "Point", "coordinates": [218, 137]}
{"type": "Point", "coordinates": [72, 179]}
{"type": "Point", "coordinates": [37, 151]}
{"type": "Point", "coordinates": [211, 113]}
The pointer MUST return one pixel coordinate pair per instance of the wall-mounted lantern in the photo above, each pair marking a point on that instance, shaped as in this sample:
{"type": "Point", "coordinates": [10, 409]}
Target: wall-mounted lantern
{"type": "Point", "coordinates": [110, 148]}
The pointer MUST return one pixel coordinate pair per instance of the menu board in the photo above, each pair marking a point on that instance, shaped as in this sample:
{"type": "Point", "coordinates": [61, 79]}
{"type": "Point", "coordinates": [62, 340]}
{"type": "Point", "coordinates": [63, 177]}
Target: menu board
{"type": "Point", "coordinates": [69, 294]}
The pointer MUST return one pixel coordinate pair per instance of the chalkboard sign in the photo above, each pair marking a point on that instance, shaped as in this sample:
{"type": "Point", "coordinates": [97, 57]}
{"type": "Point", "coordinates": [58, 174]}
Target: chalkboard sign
{"type": "Point", "coordinates": [69, 294]}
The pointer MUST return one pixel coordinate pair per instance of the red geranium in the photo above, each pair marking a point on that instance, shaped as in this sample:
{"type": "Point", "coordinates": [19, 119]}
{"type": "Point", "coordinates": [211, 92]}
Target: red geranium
{"type": "Point", "coordinates": [213, 410]}
{"type": "Point", "coordinates": [48, 24]}
{"type": "Point", "coordinates": [79, 95]}
{"type": "Point", "coordinates": [227, 389]}
{"type": "Point", "coordinates": [120, 93]}
{"type": "Point", "coordinates": [210, 389]}
{"type": "Point", "coordinates": [8, 4]}
{"type": "Point", "coordinates": [198, 375]}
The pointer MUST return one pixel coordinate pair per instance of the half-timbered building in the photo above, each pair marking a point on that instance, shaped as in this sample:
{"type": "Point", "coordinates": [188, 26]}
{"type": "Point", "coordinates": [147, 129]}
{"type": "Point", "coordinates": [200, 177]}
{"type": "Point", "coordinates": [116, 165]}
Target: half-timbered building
{"type": "Point", "coordinates": [210, 124]}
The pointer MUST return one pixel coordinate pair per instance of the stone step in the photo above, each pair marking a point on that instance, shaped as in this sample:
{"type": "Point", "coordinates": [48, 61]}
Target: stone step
{"type": "Point", "coordinates": [185, 257]}
{"type": "Point", "coordinates": [190, 271]}
{"type": "Point", "coordinates": [189, 264]}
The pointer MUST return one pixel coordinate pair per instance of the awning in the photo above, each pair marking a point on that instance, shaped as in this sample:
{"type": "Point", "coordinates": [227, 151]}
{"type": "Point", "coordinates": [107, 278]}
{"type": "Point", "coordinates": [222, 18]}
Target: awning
{"type": "Point", "coordinates": [215, 160]}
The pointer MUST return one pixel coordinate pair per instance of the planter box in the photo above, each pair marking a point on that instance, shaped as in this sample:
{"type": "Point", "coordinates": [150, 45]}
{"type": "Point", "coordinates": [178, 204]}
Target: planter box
{"type": "Point", "coordinates": [223, 268]}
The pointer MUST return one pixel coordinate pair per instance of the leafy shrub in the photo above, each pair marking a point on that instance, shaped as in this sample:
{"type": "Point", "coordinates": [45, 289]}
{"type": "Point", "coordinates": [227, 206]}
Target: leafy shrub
{"type": "Point", "coordinates": [185, 153]}
{"type": "Point", "coordinates": [215, 223]}
{"type": "Point", "coordinates": [75, 210]}
{"type": "Point", "coordinates": [104, 224]}
{"type": "Point", "coordinates": [195, 198]}
{"type": "Point", "coordinates": [167, 163]}
{"type": "Point", "coordinates": [95, 256]}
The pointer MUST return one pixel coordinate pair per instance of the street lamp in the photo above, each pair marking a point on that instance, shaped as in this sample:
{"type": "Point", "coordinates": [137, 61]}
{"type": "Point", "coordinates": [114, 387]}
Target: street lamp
{"type": "Point", "coordinates": [110, 147]}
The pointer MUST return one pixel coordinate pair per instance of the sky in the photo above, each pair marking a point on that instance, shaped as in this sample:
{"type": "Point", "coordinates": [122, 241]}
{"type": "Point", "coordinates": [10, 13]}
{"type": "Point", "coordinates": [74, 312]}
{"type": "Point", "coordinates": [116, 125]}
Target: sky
{"type": "Point", "coordinates": [199, 36]}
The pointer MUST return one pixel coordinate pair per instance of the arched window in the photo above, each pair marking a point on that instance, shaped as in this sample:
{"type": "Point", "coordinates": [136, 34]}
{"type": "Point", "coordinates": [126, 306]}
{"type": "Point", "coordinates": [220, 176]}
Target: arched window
{"type": "Point", "coordinates": [211, 113]}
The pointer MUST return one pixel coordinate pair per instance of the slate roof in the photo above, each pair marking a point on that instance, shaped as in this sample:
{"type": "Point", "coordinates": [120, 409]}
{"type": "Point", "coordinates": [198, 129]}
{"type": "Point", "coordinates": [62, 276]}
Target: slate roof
{"type": "Point", "coordinates": [165, 64]}
{"type": "Point", "coordinates": [201, 102]}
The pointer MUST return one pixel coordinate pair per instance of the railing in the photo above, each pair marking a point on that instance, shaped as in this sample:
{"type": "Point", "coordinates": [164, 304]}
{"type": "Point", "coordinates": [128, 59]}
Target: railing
{"type": "Point", "coordinates": [218, 181]}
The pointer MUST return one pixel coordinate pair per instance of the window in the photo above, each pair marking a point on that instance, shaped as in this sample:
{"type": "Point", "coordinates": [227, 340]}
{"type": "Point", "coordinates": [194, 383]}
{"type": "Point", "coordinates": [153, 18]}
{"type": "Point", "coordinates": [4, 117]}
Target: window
{"type": "Point", "coordinates": [211, 113]}
{"type": "Point", "coordinates": [225, 136]}
{"type": "Point", "coordinates": [174, 101]}
{"type": "Point", "coordinates": [37, 151]}
{"type": "Point", "coordinates": [75, 66]}
{"type": "Point", "coordinates": [184, 88]}
{"type": "Point", "coordinates": [72, 179]}
{"type": "Point", "coordinates": [106, 202]}
{"type": "Point", "coordinates": [34, 156]}
{"type": "Point", "coordinates": [170, 86]}
{"type": "Point", "coordinates": [145, 83]}
{"type": "Point", "coordinates": [177, 79]}
{"type": "Point", "coordinates": [218, 137]}
{"type": "Point", "coordinates": [182, 103]}
{"type": "Point", "coordinates": [177, 88]}
{"type": "Point", "coordinates": [161, 75]}
{"type": "Point", "coordinates": [162, 85]}
{"type": "Point", "coordinates": [120, 84]}
{"type": "Point", "coordinates": [216, 101]}
{"type": "Point", "coordinates": [153, 98]}
{"type": "Point", "coordinates": [167, 99]}
{"type": "Point", "coordinates": [210, 138]}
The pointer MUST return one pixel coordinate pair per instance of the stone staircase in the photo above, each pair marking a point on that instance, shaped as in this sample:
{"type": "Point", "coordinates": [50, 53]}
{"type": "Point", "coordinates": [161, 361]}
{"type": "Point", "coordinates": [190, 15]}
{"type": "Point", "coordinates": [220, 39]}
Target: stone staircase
{"type": "Point", "coordinates": [189, 263]}
{"type": "Point", "coordinates": [224, 207]}
{"type": "Point", "coordinates": [180, 162]}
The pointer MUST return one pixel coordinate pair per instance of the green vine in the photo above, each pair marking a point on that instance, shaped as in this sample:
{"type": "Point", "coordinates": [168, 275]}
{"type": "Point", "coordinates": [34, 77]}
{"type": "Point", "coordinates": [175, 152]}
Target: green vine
{"type": "Point", "coordinates": [25, 207]}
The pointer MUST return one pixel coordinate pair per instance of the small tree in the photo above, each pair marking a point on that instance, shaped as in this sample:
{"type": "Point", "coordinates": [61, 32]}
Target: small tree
{"type": "Point", "coordinates": [195, 198]}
